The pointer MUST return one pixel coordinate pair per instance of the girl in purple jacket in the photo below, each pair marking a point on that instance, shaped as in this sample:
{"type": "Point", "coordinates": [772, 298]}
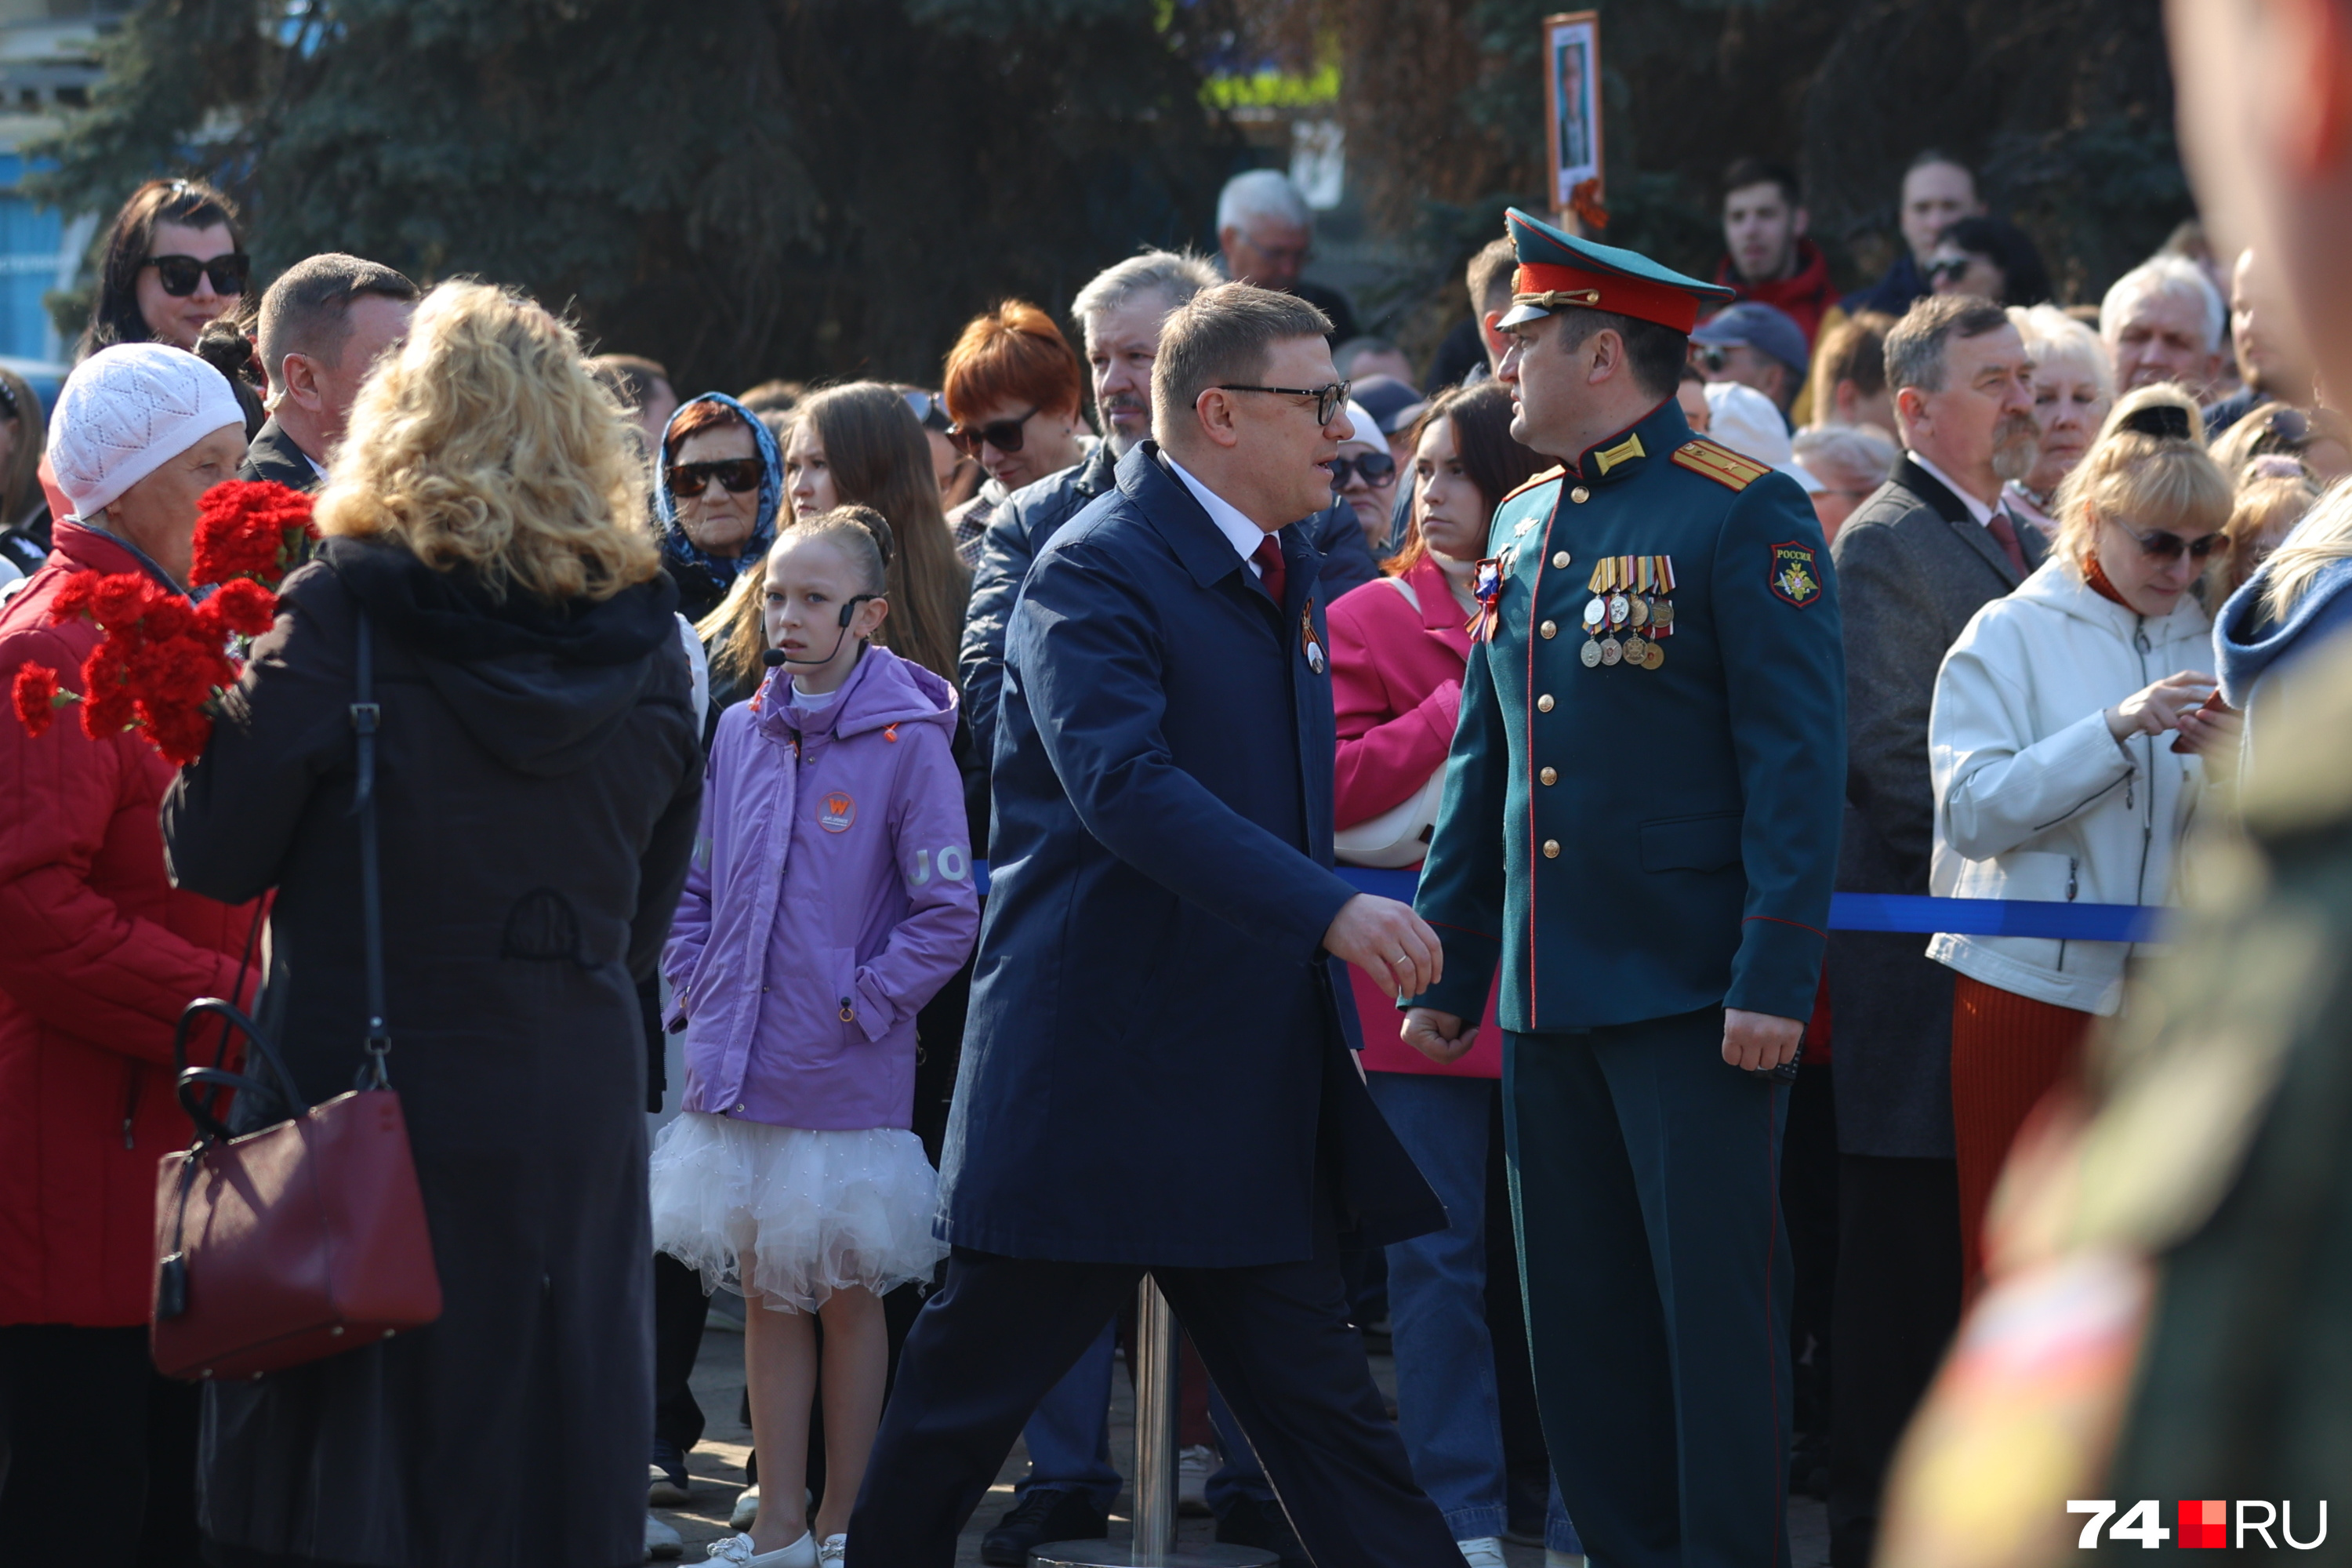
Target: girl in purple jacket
{"type": "Point", "coordinates": [831, 895]}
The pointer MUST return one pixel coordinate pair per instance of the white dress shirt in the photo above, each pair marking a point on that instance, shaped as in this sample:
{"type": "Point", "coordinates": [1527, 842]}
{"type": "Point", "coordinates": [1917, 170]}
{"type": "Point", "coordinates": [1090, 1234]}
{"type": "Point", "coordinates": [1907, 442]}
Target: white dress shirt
{"type": "Point", "coordinates": [1240, 532]}
{"type": "Point", "coordinates": [1977, 509]}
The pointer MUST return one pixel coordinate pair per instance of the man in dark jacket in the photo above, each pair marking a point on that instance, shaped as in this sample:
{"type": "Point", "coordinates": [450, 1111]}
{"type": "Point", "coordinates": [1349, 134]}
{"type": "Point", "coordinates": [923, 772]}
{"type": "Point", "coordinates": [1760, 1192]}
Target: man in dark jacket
{"type": "Point", "coordinates": [1914, 562]}
{"type": "Point", "coordinates": [322, 325]}
{"type": "Point", "coordinates": [1937, 191]}
{"type": "Point", "coordinates": [1158, 987]}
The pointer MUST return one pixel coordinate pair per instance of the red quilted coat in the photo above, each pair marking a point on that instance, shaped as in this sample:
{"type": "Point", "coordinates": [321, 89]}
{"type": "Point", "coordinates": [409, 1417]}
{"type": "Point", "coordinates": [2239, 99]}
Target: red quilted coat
{"type": "Point", "coordinates": [98, 954]}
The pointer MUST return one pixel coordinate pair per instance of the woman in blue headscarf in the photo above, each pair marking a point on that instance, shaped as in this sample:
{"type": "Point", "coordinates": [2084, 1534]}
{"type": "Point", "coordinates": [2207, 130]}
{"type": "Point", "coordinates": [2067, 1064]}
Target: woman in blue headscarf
{"type": "Point", "coordinates": [716, 496]}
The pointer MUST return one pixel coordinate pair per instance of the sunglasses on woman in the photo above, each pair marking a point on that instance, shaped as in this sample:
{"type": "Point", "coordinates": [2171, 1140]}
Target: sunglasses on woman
{"type": "Point", "coordinates": [178, 274]}
{"type": "Point", "coordinates": [1952, 267]}
{"type": "Point", "coordinates": [1378, 469]}
{"type": "Point", "coordinates": [739, 474]}
{"type": "Point", "coordinates": [1004, 434]}
{"type": "Point", "coordinates": [2165, 545]}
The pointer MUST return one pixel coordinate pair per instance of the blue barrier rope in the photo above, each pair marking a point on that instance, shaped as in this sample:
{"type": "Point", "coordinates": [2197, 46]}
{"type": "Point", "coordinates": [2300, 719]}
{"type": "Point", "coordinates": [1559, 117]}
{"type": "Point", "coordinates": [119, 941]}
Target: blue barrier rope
{"type": "Point", "coordinates": [1906, 912]}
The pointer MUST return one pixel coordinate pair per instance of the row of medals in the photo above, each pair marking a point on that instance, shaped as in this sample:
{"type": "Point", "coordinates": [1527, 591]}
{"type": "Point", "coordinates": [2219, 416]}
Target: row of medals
{"type": "Point", "coordinates": [1630, 598]}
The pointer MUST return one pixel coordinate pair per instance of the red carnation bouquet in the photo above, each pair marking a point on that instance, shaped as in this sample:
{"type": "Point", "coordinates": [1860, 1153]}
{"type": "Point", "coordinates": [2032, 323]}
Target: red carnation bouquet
{"type": "Point", "coordinates": [163, 663]}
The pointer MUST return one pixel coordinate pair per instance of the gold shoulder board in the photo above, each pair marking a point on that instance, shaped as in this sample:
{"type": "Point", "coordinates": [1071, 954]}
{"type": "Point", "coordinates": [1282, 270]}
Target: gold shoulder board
{"type": "Point", "coordinates": [1721, 464]}
{"type": "Point", "coordinates": [1555, 473]}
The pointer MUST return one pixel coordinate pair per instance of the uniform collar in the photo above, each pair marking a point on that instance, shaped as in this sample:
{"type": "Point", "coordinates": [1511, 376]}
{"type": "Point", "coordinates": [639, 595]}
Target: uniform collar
{"type": "Point", "coordinates": [1647, 440]}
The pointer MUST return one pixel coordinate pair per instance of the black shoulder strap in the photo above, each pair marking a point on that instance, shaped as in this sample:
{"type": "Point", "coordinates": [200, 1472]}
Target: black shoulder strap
{"type": "Point", "coordinates": [366, 717]}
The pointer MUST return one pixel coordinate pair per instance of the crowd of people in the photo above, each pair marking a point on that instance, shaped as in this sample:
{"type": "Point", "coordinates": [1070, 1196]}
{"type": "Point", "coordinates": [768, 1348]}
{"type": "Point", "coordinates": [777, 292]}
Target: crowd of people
{"type": "Point", "coordinates": [703, 716]}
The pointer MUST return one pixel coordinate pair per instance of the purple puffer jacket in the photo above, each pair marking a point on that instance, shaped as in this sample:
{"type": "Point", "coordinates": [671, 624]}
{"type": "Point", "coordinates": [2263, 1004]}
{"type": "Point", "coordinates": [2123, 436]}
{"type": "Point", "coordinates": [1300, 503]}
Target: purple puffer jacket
{"type": "Point", "coordinates": [831, 896]}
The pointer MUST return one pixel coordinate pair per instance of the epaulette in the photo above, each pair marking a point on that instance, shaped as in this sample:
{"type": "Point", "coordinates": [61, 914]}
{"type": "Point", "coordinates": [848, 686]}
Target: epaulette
{"type": "Point", "coordinates": [1558, 470]}
{"type": "Point", "coordinates": [1721, 464]}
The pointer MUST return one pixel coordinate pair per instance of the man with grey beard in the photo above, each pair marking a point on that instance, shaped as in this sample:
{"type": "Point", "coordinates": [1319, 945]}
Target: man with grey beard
{"type": "Point", "coordinates": [1914, 562]}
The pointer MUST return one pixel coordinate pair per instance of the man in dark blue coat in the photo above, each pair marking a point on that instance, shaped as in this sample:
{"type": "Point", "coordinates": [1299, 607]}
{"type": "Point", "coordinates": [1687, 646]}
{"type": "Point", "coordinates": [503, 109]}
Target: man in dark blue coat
{"type": "Point", "coordinates": [1156, 1072]}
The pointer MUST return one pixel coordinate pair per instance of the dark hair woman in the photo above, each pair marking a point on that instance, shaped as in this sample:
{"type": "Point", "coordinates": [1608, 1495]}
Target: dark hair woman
{"type": "Point", "coordinates": [861, 445]}
{"type": "Point", "coordinates": [1398, 652]}
{"type": "Point", "coordinates": [538, 786]}
{"type": "Point", "coordinates": [1991, 258]}
{"type": "Point", "coordinates": [173, 260]}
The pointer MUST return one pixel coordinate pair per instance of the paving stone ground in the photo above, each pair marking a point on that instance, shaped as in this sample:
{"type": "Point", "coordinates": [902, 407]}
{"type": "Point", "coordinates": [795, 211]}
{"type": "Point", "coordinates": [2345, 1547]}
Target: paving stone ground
{"type": "Point", "coordinates": [716, 1467]}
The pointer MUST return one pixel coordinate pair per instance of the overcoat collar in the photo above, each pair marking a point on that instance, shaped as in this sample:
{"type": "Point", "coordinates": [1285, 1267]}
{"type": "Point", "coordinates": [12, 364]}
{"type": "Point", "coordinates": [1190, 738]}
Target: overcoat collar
{"type": "Point", "coordinates": [1976, 536]}
{"type": "Point", "coordinates": [1197, 543]}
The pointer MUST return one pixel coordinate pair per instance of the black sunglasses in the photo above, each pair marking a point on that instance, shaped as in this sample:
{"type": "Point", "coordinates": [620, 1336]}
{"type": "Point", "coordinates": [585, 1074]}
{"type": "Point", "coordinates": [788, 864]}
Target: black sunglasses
{"type": "Point", "coordinates": [178, 274]}
{"type": "Point", "coordinates": [740, 475]}
{"type": "Point", "coordinates": [1713, 359]}
{"type": "Point", "coordinates": [2163, 545]}
{"type": "Point", "coordinates": [1328, 399]}
{"type": "Point", "coordinates": [1004, 434]}
{"type": "Point", "coordinates": [930, 408]}
{"type": "Point", "coordinates": [1954, 269]}
{"type": "Point", "coordinates": [1378, 469]}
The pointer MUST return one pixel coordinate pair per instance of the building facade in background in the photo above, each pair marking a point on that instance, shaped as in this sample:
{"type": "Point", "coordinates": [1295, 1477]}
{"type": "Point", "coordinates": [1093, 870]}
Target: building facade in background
{"type": "Point", "coordinates": [48, 63]}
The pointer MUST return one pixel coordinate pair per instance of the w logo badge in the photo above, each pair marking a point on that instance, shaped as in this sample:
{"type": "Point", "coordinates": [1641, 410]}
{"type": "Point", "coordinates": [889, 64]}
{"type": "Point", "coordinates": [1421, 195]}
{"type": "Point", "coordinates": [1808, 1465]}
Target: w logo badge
{"type": "Point", "coordinates": [835, 812]}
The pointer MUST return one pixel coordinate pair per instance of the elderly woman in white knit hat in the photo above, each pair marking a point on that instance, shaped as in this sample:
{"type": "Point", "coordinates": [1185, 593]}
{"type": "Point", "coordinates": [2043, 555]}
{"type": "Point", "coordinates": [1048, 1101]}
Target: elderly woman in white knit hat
{"type": "Point", "coordinates": [1364, 476]}
{"type": "Point", "coordinates": [98, 954]}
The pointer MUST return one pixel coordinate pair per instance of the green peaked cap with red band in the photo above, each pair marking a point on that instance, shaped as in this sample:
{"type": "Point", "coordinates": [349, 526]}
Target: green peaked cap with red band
{"type": "Point", "coordinates": [1558, 270]}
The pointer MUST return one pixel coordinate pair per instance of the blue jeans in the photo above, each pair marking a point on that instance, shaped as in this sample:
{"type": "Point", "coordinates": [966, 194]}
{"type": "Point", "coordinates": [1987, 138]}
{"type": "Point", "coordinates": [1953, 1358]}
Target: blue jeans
{"type": "Point", "coordinates": [1068, 1439]}
{"type": "Point", "coordinates": [1446, 1405]}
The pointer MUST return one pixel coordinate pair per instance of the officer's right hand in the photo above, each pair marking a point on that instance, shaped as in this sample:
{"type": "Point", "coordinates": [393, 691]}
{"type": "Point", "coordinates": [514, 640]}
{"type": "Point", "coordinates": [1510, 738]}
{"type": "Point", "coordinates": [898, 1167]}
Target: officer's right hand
{"type": "Point", "coordinates": [1387, 941]}
{"type": "Point", "coordinates": [1440, 1037]}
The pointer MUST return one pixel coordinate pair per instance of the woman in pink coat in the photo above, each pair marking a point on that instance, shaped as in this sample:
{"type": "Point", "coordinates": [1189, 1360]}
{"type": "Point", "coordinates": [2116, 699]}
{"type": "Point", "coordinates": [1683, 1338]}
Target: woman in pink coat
{"type": "Point", "coordinates": [1398, 648]}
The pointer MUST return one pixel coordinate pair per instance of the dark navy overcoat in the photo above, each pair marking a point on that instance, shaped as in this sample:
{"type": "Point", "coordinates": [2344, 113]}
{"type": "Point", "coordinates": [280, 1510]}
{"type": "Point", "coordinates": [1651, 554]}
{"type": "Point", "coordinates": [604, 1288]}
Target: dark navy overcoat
{"type": "Point", "coordinates": [1156, 1067]}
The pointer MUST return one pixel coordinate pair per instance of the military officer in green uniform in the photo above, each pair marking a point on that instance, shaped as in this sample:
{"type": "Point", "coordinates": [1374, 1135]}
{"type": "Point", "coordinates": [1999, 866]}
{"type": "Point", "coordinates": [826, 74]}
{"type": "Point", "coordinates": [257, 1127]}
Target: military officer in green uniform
{"type": "Point", "coordinates": [1641, 825]}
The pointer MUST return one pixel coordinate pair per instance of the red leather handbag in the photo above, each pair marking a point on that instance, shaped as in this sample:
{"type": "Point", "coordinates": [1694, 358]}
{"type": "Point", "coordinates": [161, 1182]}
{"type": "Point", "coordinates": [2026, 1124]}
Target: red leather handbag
{"type": "Point", "coordinates": [307, 1237]}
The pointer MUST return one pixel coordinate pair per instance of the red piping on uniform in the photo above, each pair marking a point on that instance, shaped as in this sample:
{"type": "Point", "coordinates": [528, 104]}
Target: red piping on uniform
{"type": "Point", "coordinates": [1772, 1359]}
{"type": "Point", "coordinates": [1534, 598]}
{"type": "Point", "coordinates": [1467, 930]}
{"type": "Point", "coordinates": [1777, 921]}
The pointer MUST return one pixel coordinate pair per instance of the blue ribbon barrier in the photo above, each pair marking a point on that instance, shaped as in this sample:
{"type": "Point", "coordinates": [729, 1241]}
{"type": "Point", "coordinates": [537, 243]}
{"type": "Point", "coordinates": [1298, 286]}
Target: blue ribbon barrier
{"type": "Point", "coordinates": [1910, 912]}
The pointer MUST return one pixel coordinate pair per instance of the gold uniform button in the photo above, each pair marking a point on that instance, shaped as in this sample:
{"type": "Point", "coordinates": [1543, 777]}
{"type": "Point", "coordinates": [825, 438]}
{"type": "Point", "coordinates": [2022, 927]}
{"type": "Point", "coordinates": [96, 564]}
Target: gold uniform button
{"type": "Point", "coordinates": [1560, 560]}
{"type": "Point", "coordinates": [1549, 776]}
{"type": "Point", "coordinates": [1549, 628]}
{"type": "Point", "coordinates": [1551, 848]}
{"type": "Point", "coordinates": [1543, 703]}
{"type": "Point", "coordinates": [1580, 495]}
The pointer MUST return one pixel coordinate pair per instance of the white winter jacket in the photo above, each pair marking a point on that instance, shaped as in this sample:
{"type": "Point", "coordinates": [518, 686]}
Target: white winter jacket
{"type": "Point", "coordinates": [2034, 799]}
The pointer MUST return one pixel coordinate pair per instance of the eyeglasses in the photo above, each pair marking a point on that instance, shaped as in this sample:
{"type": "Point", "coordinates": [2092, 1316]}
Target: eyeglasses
{"type": "Point", "coordinates": [178, 274]}
{"type": "Point", "coordinates": [2164, 545]}
{"type": "Point", "coordinates": [1378, 469]}
{"type": "Point", "coordinates": [1713, 359]}
{"type": "Point", "coordinates": [1952, 268]}
{"type": "Point", "coordinates": [740, 475]}
{"type": "Point", "coordinates": [1328, 399]}
{"type": "Point", "coordinates": [1004, 434]}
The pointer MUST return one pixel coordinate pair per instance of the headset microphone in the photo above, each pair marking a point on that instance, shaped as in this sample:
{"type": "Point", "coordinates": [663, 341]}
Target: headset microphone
{"type": "Point", "coordinates": [776, 657]}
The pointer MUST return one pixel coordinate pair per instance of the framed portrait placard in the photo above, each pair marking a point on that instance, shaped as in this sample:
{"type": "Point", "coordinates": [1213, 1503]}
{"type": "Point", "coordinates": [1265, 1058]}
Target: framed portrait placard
{"type": "Point", "coordinates": [1572, 95]}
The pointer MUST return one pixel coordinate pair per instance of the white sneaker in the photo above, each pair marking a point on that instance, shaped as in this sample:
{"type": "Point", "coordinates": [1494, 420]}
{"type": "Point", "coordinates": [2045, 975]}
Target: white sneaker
{"type": "Point", "coordinates": [1193, 1467]}
{"type": "Point", "coordinates": [1484, 1552]}
{"type": "Point", "coordinates": [661, 1541]}
{"type": "Point", "coordinates": [737, 1552]}
{"type": "Point", "coordinates": [834, 1550]}
{"type": "Point", "coordinates": [746, 1512]}
{"type": "Point", "coordinates": [1562, 1559]}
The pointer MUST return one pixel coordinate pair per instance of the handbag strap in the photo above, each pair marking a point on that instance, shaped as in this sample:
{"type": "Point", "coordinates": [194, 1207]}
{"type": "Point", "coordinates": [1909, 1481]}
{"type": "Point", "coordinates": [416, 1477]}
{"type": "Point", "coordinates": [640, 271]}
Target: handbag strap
{"type": "Point", "coordinates": [367, 717]}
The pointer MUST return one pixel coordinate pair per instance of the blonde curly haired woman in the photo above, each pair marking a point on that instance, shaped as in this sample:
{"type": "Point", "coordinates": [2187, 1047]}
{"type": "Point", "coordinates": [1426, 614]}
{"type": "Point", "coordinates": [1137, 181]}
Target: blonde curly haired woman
{"type": "Point", "coordinates": [538, 784]}
{"type": "Point", "coordinates": [2057, 774]}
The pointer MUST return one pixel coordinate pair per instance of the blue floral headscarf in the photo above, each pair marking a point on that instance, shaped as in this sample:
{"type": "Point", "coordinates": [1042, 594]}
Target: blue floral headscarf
{"type": "Point", "coordinates": [675, 544]}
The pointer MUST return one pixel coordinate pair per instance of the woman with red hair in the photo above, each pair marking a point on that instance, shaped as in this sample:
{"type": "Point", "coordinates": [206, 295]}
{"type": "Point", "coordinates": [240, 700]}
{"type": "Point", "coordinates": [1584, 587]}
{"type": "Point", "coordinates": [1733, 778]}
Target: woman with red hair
{"type": "Point", "coordinates": [1014, 387]}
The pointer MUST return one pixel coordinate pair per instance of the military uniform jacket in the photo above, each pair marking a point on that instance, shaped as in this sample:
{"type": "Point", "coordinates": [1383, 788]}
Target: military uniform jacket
{"type": "Point", "coordinates": [1634, 842]}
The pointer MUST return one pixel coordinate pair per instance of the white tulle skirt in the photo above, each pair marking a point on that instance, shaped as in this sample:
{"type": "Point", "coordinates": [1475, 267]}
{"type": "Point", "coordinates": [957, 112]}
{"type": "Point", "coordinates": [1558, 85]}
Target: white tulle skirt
{"type": "Point", "coordinates": [812, 1212]}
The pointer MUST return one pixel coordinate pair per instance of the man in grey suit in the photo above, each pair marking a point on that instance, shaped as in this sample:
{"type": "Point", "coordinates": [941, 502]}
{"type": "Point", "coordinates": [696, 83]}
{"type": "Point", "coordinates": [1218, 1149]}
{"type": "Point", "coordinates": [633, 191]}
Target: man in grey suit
{"type": "Point", "coordinates": [1914, 562]}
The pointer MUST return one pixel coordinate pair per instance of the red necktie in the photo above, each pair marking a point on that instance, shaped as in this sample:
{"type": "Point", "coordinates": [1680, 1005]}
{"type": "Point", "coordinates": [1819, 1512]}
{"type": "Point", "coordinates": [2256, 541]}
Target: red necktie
{"type": "Point", "coordinates": [1271, 571]}
{"type": "Point", "coordinates": [2004, 533]}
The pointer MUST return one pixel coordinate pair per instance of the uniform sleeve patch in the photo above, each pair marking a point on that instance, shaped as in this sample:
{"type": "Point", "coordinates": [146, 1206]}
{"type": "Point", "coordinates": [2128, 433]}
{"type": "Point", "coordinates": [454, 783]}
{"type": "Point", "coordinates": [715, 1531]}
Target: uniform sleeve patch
{"type": "Point", "coordinates": [1796, 575]}
{"type": "Point", "coordinates": [1721, 464]}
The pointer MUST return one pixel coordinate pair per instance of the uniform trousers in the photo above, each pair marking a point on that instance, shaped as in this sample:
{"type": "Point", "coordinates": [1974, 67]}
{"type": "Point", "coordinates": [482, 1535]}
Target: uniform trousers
{"type": "Point", "coordinates": [1275, 1337]}
{"type": "Point", "coordinates": [1645, 1189]}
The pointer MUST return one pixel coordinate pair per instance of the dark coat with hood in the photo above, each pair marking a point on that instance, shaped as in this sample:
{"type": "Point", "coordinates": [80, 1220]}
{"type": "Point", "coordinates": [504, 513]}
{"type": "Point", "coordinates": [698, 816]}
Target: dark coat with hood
{"type": "Point", "coordinates": [539, 780]}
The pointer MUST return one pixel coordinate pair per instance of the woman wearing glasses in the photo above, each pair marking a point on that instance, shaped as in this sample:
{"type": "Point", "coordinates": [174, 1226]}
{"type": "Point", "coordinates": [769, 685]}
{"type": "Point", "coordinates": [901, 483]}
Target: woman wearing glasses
{"type": "Point", "coordinates": [716, 498]}
{"type": "Point", "coordinates": [1014, 387]}
{"type": "Point", "coordinates": [173, 261]}
{"type": "Point", "coordinates": [1365, 476]}
{"type": "Point", "coordinates": [2063, 748]}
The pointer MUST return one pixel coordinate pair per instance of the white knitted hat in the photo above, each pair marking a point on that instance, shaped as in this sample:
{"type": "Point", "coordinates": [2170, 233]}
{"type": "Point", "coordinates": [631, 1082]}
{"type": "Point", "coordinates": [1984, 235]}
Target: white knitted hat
{"type": "Point", "coordinates": [127, 411]}
{"type": "Point", "coordinates": [1368, 429]}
